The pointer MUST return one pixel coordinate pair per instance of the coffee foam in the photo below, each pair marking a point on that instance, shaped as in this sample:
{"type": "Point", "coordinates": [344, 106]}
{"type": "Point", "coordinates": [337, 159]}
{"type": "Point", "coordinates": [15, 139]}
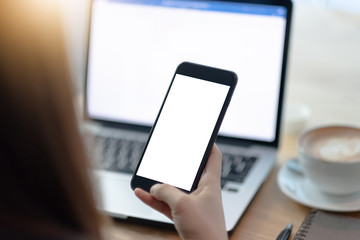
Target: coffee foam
{"type": "Point", "coordinates": [339, 149]}
{"type": "Point", "coordinates": [332, 144]}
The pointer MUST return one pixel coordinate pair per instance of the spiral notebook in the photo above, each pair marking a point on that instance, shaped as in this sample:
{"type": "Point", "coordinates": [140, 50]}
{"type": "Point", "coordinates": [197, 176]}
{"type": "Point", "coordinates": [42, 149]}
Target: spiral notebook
{"type": "Point", "coordinates": [330, 226]}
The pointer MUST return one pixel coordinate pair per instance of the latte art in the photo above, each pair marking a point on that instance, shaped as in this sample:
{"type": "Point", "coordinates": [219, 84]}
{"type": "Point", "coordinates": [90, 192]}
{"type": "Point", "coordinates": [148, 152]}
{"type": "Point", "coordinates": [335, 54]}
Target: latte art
{"type": "Point", "coordinates": [333, 144]}
{"type": "Point", "coordinates": [330, 158]}
{"type": "Point", "coordinates": [339, 149]}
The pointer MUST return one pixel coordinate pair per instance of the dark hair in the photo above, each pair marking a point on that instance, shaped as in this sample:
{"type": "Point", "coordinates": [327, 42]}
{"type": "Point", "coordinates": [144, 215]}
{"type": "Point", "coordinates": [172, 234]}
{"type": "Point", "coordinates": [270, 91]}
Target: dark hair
{"type": "Point", "coordinates": [44, 172]}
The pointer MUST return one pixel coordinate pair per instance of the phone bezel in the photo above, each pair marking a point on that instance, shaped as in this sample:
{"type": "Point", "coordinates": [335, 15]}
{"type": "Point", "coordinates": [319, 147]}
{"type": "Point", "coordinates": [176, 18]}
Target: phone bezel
{"type": "Point", "coordinates": [200, 72]}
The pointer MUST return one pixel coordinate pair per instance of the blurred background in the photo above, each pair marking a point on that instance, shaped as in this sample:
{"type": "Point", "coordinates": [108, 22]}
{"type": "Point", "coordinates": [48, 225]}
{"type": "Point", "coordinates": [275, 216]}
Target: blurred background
{"type": "Point", "coordinates": [324, 55]}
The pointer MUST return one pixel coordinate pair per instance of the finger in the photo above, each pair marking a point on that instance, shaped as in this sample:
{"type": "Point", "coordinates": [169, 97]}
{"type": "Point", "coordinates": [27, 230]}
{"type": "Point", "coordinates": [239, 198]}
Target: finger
{"type": "Point", "coordinates": [152, 202]}
{"type": "Point", "coordinates": [166, 193]}
{"type": "Point", "coordinates": [143, 196]}
{"type": "Point", "coordinates": [213, 165]}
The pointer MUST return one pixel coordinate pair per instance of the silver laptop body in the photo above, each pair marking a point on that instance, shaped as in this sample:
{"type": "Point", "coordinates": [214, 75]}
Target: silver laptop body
{"type": "Point", "coordinates": [134, 49]}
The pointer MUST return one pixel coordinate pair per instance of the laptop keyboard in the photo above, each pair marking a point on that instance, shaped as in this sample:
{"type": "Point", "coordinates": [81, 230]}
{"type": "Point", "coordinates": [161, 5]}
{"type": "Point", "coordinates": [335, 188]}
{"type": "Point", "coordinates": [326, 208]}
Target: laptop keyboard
{"type": "Point", "coordinates": [236, 167]}
{"type": "Point", "coordinates": [121, 155]}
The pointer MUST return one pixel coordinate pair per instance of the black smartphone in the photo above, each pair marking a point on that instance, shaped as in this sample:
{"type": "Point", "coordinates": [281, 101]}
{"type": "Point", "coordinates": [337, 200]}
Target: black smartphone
{"type": "Point", "coordinates": [186, 127]}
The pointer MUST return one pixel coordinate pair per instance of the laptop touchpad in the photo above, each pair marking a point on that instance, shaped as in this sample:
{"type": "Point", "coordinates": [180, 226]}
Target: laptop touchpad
{"type": "Point", "coordinates": [119, 198]}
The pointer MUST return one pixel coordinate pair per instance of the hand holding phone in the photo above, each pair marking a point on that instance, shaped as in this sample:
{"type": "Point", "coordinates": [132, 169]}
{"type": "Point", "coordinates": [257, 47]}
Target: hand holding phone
{"type": "Point", "coordinates": [185, 128]}
{"type": "Point", "coordinates": [205, 201]}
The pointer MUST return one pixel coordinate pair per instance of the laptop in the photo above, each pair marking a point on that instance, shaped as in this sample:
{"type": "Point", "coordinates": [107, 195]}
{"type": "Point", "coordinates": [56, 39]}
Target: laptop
{"type": "Point", "coordinates": [134, 49]}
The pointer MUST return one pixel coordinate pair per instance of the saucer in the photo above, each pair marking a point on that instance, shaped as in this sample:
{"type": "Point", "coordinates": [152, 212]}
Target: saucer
{"type": "Point", "coordinates": [301, 190]}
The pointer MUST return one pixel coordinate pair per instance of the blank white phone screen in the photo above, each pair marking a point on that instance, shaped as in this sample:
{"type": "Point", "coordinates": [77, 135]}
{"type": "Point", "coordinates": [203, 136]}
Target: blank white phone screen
{"type": "Point", "coordinates": [183, 130]}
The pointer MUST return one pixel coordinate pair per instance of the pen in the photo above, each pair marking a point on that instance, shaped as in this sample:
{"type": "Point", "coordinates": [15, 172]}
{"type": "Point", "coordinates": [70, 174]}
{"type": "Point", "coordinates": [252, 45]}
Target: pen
{"type": "Point", "coordinates": [285, 234]}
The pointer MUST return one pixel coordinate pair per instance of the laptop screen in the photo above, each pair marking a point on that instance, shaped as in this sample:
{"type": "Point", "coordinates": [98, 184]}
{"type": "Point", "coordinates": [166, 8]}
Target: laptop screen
{"type": "Point", "coordinates": [136, 45]}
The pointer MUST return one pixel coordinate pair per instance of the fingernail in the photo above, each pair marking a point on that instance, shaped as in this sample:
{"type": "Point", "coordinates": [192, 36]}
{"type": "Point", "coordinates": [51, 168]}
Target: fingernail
{"type": "Point", "coordinates": [154, 187]}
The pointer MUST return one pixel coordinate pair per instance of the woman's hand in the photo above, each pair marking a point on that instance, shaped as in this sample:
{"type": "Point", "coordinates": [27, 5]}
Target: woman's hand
{"type": "Point", "coordinates": [198, 215]}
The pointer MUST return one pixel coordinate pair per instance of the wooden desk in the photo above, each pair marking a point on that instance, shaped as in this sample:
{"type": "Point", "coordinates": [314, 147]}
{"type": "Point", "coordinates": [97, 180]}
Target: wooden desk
{"type": "Point", "coordinates": [324, 73]}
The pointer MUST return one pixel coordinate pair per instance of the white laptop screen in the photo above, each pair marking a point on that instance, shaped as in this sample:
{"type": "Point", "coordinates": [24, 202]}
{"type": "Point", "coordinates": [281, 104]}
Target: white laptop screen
{"type": "Point", "coordinates": [135, 47]}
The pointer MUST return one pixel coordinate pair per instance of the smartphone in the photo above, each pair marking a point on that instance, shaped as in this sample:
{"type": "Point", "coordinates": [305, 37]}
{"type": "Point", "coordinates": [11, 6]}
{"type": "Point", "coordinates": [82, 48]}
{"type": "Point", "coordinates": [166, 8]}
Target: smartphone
{"type": "Point", "coordinates": [186, 127]}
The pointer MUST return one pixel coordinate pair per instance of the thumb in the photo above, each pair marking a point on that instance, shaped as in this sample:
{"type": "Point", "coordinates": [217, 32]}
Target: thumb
{"type": "Point", "coordinates": [166, 193]}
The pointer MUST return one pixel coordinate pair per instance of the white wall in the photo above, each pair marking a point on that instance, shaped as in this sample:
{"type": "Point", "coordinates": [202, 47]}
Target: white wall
{"type": "Point", "coordinates": [341, 5]}
{"type": "Point", "coordinates": [345, 5]}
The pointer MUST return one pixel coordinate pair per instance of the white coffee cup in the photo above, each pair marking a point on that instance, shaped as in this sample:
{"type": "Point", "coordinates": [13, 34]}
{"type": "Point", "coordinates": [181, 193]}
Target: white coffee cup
{"type": "Point", "coordinates": [330, 158]}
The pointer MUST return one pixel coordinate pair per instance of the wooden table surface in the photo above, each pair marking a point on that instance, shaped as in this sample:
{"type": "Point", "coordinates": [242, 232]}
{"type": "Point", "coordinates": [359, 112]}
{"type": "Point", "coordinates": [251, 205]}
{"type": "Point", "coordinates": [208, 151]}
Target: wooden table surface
{"type": "Point", "coordinates": [323, 73]}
